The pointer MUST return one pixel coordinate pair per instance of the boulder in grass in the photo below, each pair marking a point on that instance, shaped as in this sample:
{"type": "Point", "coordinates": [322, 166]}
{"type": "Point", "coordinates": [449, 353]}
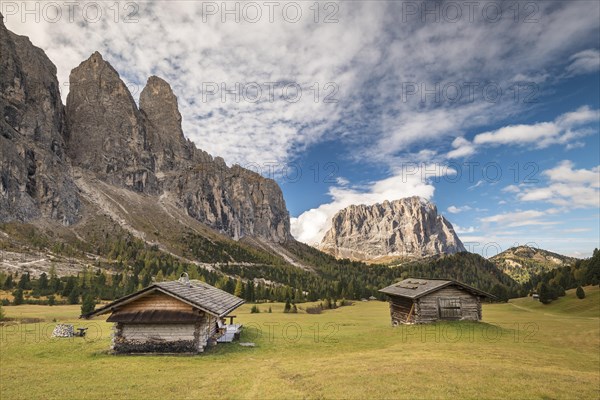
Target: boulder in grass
{"type": "Point", "coordinates": [63, 330]}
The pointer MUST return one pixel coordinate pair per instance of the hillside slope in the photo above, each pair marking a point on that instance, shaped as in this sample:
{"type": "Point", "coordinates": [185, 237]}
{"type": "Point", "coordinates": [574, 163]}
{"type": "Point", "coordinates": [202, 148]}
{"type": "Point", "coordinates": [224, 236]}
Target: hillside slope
{"type": "Point", "coordinates": [523, 262]}
{"type": "Point", "coordinates": [568, 304]}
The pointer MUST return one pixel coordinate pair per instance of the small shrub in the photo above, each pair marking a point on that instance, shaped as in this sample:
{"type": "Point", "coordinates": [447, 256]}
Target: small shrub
{"type": "Point", "coordinates": [580, 293]}
{"type": "Point", "coordinates": [255, 310]}
{"type": "Point", "coordinates": [270, 311]}
{"type": "Point", "coordinates": [314, 310]}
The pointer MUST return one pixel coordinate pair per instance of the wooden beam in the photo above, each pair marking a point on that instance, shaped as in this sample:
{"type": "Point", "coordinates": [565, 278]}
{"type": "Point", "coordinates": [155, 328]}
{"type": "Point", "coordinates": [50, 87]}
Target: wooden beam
{"type": "Point", "coordinates": [411, 311]}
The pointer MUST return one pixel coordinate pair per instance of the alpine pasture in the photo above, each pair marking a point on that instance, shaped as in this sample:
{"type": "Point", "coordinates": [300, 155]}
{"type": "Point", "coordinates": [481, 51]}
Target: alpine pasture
{"type": "Point", "coordinates": [521, 349]}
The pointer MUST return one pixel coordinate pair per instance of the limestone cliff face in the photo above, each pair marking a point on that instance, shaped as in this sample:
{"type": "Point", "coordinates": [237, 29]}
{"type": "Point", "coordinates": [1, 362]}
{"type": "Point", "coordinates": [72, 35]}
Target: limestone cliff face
{"type": "Point", "coordinates": [35, 179]}
{"type": "Point", "coordinates": [102, 135]}
{"type": "Point", "coordinates": [232, 200]}
{"type": "Point", "coordinates": [409, 227]}
{"type": "Point", "coordinates": [106, 131]}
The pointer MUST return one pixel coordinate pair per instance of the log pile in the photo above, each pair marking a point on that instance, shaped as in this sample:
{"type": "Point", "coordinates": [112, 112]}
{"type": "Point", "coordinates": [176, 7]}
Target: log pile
{"type": "Point", "coordinates": [63, 330]}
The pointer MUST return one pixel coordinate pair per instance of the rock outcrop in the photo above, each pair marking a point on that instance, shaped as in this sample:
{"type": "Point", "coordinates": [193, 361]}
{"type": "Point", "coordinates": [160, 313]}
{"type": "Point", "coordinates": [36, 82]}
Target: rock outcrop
{"type": "Point", "coordinates": [233, 200]}
{"type": "Point", "coordinates": [106, 131]}
{"type": "Point", "coordinates": [409, 228]}
{"type": "Point", "coordinates": [35, 179]}
{"type": "Point", "coordinates": [102, 135]}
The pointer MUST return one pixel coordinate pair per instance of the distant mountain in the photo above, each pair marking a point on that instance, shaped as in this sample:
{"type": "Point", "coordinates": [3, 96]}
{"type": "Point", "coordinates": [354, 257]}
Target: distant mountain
{"type": "Point", "coordinates": [407, 228]}
{"type": "Point", "coordinates": [523, 262]}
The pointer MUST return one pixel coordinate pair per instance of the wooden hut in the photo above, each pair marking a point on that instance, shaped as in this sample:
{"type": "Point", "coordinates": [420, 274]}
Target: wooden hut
{"type": "Point", "coordinates": [429, 300]}
{"type": "Point", "coordinates": [168, 317]}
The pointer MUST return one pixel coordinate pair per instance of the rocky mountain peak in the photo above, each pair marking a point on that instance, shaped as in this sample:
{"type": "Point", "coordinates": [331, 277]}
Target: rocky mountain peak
{"type": "Point", "coordinates": [165, 136]}
{"type": "Point", "coordinates": [409, 227]}
{"type": "Point", "coordinates": [106, 132]}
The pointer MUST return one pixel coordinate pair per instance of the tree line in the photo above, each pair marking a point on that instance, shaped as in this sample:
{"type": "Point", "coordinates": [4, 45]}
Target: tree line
{"type": "Point", "coordinates": [261, 276]}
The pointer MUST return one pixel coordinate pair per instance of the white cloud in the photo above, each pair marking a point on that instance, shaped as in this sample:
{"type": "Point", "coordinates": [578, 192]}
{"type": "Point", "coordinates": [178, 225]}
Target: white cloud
{"type": "Point", "coordinates": [565, 130]}
{"type": "Point", "coordinates": [542, 134]}
{"type": "Point", "coordinates": [564, 172]}
{"type": "Point", "coordinates": [462, 148]}
{"type": "Point", "coordinates": [517, 134]}
{"type": "Point", "coordinates": [518, 218]}
{"type": "Point", "coordinates": [455, 210]}
{"type": "Point", "coordinates": [584, 62]}
{"type": "Point", "coordinates": [476, 185]}
{"type": "Point", "coordinates": [340, 180]}
{"type": "Point", "coordinates": [511, 189]}
{"type": "Point", "coordinates": [568, 187]}
{"type": "Point", "coordinates": [461, 230]}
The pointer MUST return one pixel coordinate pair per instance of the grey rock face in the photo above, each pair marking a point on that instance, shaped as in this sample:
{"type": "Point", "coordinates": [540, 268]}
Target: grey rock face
{"type": "Point", "coordinates": [233, 200]}
{"type": "Point", "coordinates": [158, 104]}
{"type": "Point", "coordinates": [35, 180]}
{"type": "Point", "coordinates": [409, 227]}
{"type": "Point", "coordinates": [106, 131]}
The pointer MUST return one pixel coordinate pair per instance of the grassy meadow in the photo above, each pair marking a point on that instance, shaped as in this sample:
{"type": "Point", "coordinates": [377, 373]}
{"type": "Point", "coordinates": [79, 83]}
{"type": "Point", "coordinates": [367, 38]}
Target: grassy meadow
{"type": "Point", "coordinates": [522, 349]}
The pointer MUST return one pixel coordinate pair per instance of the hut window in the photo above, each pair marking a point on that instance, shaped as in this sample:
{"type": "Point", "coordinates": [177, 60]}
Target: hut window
{"type": "Point", "coordinates": [449, 307]}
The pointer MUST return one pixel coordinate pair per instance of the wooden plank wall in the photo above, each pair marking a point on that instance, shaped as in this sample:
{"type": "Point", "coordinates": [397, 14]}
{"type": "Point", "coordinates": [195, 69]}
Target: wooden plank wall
{"type": "Point", "coordinates": [156, 301]}
{"type": "Point", "coordinates": [427, 306]}
{"type": "Point", "coordinates": [167, 332]}
{"type": "Point", "coordinates": [139, 338]}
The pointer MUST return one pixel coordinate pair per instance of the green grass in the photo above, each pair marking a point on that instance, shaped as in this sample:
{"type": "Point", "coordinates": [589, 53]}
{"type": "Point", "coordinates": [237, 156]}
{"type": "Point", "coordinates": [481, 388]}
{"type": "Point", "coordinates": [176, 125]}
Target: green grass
{"type": "Point", "coordinates": [522, 350]}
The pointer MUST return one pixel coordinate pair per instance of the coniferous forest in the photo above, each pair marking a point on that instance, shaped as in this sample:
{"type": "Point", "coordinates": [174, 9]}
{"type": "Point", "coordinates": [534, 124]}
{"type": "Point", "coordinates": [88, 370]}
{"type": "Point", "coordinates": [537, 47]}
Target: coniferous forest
{"type": "Point", "coordinates": [262, 276]}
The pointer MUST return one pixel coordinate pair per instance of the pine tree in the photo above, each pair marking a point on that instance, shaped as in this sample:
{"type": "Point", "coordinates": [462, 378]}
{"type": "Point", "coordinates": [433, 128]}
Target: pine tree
{"type": "Point", "coordinates": [1, 312]}
{"type": "Point", "coordinates": [544, 293]}
{"type": "Point", "coordinates": [88, 305]}
{"type": "Point", "coordinates": [18, 297]}
{"type": "Point", "coordinates": [287, 307]}
{"type": "Point", "coordinates": [43, 282]}
{"type": "Point", "coordinates": [8, 283]}
{"type": "Point", "coordinates": [239, 288]}
{"type": "Point", "coordinates": [580, 293]}
{"type": "Point", "coordinates": [74, 296]}
{"type": "Point", "coordinates": [24, 282]}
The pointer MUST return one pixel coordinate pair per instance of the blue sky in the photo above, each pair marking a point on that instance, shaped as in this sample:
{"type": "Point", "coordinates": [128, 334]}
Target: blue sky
{"type": "Point", "coordinates": [397, 99]}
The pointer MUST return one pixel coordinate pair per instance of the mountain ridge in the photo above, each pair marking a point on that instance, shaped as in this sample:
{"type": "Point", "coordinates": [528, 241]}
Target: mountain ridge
{"type": "Point", "coordinates": [524, 262]}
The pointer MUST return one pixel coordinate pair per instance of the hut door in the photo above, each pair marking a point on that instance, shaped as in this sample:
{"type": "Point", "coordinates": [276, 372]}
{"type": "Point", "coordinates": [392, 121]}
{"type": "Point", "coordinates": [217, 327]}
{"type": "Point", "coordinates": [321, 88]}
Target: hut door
{"type": "Point", "coordinates": [449, 308]}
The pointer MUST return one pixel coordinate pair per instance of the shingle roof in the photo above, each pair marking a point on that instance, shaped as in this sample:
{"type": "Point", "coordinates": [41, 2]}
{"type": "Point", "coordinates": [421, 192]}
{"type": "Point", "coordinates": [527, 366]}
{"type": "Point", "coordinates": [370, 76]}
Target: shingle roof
{"type": "Point", "coordinates": [196, 293]}
{"type": "Point", "coordinates": [413, 288]}
{"type": "Point", "coordinates": [203, 295]}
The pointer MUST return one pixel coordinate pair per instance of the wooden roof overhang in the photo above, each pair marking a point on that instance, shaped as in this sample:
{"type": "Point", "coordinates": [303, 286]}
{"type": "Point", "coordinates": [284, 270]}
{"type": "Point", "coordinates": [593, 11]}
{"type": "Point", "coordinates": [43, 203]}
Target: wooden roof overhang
{"type": "Point", "coordinates": [156, 316]}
